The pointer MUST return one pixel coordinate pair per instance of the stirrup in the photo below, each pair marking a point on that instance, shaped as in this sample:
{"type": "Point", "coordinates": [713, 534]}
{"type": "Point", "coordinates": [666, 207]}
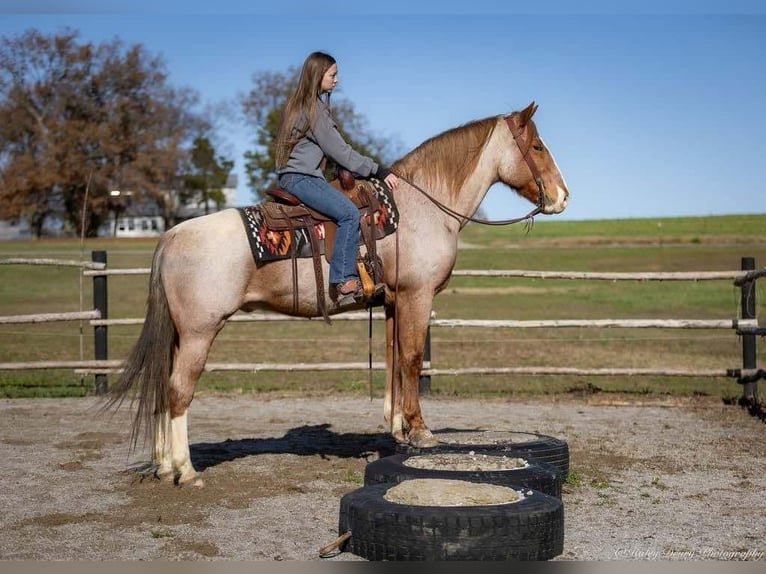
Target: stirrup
{"type": "Point", "coordinates": [355, 293]}
{"type": "Point", "coordinates": [349, 287]}
{"type": "Point", "coordinates": [378, 296]}
{"type": "Point", "coordinates": [350, 291]}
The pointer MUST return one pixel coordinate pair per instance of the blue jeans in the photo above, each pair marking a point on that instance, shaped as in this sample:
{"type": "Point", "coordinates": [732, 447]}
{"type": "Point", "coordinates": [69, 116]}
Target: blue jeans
{"type": "Point", "coordinates": [320, 195]}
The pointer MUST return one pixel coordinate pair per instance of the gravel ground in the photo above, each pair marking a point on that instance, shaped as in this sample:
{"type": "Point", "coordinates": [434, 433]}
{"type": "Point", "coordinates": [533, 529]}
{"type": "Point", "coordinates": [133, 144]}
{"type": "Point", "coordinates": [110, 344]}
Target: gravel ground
{"type": "Point", "coordinates": [653, 480]}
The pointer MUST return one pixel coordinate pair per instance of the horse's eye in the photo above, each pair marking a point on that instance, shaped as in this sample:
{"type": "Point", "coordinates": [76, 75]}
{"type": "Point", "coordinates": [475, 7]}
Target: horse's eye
{"type": "Point", "coordinates": [537, 147]}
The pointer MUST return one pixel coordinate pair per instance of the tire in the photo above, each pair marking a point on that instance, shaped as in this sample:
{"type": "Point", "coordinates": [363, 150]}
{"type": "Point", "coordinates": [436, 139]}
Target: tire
{"type": "Point", "coordinates": [539, 476]}
{"type": "Point", "coordinates": [530, 446]}
{"type": "Point", "coordinates": [530, 529]}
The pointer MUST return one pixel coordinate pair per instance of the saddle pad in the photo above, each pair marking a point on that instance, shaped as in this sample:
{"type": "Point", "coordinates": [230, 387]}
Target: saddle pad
{"type": "Point", "coordinates": [274, 245]}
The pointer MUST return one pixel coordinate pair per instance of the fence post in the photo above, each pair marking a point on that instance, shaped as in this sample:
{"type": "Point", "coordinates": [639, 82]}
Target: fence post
{"type": "Point", "coordinates": [424, 382]}
{"type": "Point", "coordinates": [100, 303]}
{"type": "Point", "coordinates": [747, 304]}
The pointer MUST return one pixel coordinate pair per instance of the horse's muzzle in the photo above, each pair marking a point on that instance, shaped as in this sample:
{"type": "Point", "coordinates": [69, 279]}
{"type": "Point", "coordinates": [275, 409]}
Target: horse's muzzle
{"type": "Point", "coordinates": [557, 205]}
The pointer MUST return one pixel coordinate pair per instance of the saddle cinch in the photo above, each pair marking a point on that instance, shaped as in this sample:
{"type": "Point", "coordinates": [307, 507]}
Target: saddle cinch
{"type": "Point", "coordinates": [286, 213]}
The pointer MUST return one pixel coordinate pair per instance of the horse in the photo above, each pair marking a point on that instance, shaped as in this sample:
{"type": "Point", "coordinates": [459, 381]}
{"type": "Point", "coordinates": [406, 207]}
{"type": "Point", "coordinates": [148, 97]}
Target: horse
{"type": "Point", "coordinates": [203, 272]}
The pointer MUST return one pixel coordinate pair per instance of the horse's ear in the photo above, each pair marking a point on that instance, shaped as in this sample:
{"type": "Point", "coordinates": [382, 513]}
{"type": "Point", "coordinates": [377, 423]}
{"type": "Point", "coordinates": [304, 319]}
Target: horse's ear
{"type": "Point", "coordinates": [527, 113]}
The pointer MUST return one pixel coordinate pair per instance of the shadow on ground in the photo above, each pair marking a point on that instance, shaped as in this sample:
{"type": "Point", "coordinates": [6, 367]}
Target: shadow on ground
{"type": "Point", "coordinates": [307, 440]}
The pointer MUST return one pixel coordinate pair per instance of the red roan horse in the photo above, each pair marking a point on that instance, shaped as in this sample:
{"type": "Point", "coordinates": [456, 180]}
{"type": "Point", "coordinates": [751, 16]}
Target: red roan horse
{"type": "Point", "coordinates": [203, 272]}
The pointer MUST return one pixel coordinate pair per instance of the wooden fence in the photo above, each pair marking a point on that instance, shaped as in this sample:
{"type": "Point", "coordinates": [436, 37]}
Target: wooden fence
{"type": "Point", "coordinates": [746, 326]}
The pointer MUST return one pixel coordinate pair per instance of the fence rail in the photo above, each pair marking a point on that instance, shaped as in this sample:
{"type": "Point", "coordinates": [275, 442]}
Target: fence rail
{"type": "Point", "coordinates": [50, 317]}
{"type": "Point", "coordinates": [626, 276]}
{"type": "Point", "coordinates": [55, 262]}
{"type": "Point", "coordinates": [745, 326]}
{"type": "Point", "coordinates": [600, 323]}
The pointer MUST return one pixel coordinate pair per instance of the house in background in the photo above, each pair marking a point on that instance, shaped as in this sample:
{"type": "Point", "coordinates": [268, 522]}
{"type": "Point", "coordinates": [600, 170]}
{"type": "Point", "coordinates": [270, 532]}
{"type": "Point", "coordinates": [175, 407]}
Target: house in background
{"type": "Point", "coordinates": [53, 226]}
{"type": "Point", "coordinates": [126, 218]}
{"type": "Point", "coordinates": [195, 209]}
{"type": "Point", "coordinates": [15, 229]}
{"type": "Point", "coordinates": [131, 219]}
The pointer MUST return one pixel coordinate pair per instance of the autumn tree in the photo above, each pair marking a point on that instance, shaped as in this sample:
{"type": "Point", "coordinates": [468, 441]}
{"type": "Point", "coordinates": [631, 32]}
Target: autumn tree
{"type": "Point", "coordinates": [262, 107]}
{"type": "Point", "coordinates": [78, 120]}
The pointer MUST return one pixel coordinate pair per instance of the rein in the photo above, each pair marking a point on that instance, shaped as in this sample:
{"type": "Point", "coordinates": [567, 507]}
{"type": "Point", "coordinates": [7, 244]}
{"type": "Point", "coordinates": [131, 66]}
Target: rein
{"type": "Point", "coordinates": [517, 134]}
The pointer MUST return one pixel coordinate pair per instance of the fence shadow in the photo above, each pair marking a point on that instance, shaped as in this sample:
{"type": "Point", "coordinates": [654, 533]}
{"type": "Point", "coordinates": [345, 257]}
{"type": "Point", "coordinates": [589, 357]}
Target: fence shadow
{"type": "Point", "coordinates": [307, 440]}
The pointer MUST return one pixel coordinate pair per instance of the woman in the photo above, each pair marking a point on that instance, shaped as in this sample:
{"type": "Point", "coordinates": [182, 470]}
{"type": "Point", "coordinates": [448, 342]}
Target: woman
{"type": "Point", "coordinates": [307, 134]}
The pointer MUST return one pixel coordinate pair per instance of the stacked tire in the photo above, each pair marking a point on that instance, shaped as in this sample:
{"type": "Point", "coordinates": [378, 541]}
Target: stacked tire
{"type": "Point", "coordinates": [528, 528]}
{"type": "Point", "coordinates": [528, 445]}
{"type": "Point", "coordinates": [539, 476]}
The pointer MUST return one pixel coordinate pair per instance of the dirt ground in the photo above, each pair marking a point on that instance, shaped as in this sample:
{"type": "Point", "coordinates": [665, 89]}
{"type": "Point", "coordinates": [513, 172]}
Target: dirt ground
{"type": "Point", "coordinates": [652, 480]}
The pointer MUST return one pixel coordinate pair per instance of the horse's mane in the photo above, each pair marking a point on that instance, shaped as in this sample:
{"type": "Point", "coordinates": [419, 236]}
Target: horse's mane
{"type": "Point", "coordinates": [449, 157]}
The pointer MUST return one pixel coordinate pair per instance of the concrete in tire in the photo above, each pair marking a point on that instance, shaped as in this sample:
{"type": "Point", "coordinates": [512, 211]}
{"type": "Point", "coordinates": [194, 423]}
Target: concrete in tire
{"type": "Point", "coordinates": [529, 445]}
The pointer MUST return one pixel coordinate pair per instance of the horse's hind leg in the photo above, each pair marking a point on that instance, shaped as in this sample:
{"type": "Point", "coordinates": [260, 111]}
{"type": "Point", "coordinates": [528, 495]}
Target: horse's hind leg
{"type": "Point", "coordinates": [171, 449]}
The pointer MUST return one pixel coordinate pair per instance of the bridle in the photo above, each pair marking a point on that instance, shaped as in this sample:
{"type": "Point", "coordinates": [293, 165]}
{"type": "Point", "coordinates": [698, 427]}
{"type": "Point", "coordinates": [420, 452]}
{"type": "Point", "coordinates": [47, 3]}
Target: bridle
{"type": "Point", "coordinates": [524, 147]}
{"type": "Point", "coordinates": [518, 133]}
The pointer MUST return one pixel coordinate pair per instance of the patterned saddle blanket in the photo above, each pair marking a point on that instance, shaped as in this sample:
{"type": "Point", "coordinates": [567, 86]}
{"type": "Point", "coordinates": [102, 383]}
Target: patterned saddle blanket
{"type": "Point", "coordinates": [277, 231]}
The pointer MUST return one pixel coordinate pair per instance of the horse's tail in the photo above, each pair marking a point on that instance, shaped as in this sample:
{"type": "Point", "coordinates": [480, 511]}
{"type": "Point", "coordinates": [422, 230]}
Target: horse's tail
{"type": "Point", "coordinates": [150, 361]}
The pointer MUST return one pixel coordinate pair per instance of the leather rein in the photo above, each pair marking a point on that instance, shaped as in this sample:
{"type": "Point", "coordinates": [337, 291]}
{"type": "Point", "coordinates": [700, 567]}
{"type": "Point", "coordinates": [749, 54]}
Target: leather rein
{"type": "Point", "coordinates": [524, 148]}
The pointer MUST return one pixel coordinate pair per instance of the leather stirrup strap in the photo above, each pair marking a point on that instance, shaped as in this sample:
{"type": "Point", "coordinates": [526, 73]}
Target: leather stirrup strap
{"type": "Point", "coordinates": [293, 259]}
{"type": "Point", "coordinates": [316, 257]}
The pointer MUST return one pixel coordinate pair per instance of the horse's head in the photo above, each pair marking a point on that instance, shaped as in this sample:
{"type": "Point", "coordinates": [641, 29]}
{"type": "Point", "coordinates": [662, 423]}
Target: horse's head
{"type": "Point", "coordinates": [528, 166]}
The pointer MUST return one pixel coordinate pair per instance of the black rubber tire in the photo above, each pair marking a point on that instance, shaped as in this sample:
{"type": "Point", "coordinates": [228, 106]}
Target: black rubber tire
{"type": "Point", "coordinates": [531, 446]}
{"type": "Point", "coordinates": [539, 476]}
{"type": "Point", "coordinates": [530, 529]}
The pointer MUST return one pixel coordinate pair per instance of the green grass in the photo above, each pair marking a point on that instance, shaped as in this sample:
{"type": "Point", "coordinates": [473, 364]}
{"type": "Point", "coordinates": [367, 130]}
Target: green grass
{"type": "Point", "coordinates": [682, 244]}
{"type": "Point", "coordinates": [573, 478]}
{"type": "Point", "coordinates": [745, 227]}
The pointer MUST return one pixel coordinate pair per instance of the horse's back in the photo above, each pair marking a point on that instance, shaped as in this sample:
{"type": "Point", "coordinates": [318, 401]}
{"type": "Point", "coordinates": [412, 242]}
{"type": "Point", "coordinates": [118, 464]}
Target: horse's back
{"type": "Point", "coordinates": [213, 227]}
{"type": "Point", "coordinates": [205, 251]}
{"type": "Point", "coordinates": [218, 234]}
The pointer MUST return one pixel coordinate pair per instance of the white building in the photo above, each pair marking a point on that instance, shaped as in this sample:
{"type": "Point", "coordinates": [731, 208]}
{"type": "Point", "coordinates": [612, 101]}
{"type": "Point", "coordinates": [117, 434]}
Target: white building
{"type": "Point", "coordinates": [131, 220]}
{"type": "Point", "coordinates": [146, 221]}
{"type": "Point", "coordinates": [15, 229]}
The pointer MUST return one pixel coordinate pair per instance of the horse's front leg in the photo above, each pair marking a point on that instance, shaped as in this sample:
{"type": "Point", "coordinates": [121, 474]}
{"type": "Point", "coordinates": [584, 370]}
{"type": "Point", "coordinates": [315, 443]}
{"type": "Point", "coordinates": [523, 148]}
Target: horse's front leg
{"type": "Point", "coordinates": [392, 406]}
{"type": "Point", "coordinates": [416, 308]}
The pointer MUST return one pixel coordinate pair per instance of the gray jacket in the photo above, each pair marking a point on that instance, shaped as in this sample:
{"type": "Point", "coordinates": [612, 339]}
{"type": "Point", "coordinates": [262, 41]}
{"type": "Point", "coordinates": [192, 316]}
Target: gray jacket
{"type": "Point", "coordinates": [324, 139]}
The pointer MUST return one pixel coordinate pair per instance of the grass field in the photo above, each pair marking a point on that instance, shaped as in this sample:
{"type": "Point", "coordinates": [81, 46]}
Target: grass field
{"type": "Point", "coordinates": [673, 244]}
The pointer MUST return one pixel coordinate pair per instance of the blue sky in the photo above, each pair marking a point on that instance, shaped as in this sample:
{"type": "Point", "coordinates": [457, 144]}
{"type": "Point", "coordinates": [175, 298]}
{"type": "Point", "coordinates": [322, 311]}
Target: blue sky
{"type": "Point", "coordinates": [652, 110]}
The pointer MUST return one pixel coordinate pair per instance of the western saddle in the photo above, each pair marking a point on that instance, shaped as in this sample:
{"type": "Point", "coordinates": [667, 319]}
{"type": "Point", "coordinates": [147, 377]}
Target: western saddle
{"type": "Point", "coordinates": [287, 213]}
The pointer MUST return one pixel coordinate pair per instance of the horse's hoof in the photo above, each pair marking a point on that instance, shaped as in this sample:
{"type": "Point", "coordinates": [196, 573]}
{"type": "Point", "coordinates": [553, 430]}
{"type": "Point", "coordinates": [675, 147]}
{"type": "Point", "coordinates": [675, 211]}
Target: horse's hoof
{"type": "Point", "coordinates": [399, 437]}
{"type": "Point", "coordinates": [194, 480]}
{"type": "Point", "coordinates": [165, 476]}
{"type": "Point", "coordinates": [423, 439]}
{"type": "Point", "coordinates": [398, 429]}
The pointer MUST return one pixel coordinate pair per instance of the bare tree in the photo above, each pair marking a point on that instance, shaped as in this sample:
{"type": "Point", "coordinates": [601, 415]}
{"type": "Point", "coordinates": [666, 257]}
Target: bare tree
{"type": "Point", "coordinates": [74, 115]}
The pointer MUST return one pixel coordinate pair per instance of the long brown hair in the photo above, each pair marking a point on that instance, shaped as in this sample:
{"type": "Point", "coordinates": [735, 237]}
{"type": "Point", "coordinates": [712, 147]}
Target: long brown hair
{"type": "Point", "coordinates": [302, 104]}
